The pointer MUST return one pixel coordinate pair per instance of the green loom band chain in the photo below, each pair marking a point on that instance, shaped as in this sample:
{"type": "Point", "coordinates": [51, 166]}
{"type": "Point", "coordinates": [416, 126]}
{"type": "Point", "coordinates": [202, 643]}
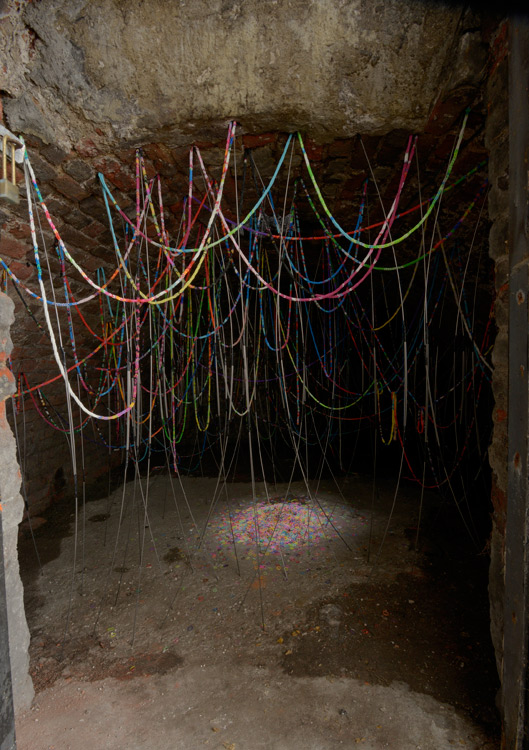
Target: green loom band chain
{"type": "Point", "coordinates": [415, 261]}
{"type": "Point", "coordinates": [437, 244]}
{"type": "Point", "coordinates": [405, 236]}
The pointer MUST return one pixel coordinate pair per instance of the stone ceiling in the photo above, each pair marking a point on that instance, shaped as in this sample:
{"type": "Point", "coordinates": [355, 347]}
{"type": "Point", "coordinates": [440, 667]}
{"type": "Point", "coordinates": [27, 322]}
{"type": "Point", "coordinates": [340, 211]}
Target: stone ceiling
{"type": "Point", "coordinates": [129, 71]}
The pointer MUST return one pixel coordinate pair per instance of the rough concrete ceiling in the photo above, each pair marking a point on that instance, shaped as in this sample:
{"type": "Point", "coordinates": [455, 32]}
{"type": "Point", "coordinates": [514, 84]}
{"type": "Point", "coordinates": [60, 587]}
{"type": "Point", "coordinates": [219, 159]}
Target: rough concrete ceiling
{"type": "Point", "coordinates": [86, 81]}
{"type": "Point", "coordinates": [135, 71]}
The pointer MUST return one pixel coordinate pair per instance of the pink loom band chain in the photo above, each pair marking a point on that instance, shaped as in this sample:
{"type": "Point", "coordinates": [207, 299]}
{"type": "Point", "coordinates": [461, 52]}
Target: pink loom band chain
{"type": "Point", "coordinates": [345, 285]}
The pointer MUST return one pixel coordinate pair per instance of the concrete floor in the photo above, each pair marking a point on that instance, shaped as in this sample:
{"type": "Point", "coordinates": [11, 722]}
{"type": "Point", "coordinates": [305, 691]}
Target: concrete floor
{"type": "Point", "coordinates": [152, 644]}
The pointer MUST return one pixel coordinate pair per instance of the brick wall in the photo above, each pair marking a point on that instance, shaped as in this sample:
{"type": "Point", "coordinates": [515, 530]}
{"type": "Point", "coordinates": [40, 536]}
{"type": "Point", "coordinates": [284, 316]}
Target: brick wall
{"type": "Point", "coordinates": [67, 182]}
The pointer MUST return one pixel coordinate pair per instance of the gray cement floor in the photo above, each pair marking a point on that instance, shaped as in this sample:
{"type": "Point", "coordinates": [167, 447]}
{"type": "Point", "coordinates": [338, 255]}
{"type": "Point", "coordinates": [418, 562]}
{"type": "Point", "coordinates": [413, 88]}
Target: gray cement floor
{"type": "Point", "coordinates": [152, 643]}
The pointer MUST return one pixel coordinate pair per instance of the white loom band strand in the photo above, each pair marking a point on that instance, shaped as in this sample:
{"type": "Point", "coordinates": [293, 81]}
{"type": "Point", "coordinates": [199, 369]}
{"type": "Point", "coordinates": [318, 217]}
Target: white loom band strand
{"type": "Point", "coordinates": [47, 316]}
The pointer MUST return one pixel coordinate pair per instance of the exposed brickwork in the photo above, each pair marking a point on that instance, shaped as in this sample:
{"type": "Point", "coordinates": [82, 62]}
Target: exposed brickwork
{"type": "Point", "coordinates": [118, 174]}
{"type": "Point", "coordinates": [71, 189]}
{"type": "Point", "coordinates": [67, 185]}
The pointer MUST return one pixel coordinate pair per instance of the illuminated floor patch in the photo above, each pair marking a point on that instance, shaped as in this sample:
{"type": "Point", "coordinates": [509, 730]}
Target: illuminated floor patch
{"type": "Point", "coordinates": [281, 526]}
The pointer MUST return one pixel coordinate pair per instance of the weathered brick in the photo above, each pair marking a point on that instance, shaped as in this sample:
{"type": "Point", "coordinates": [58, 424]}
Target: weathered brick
{"type": "Point", "coordinates": [94, 207]}
{"type": "Point", "coordinates": [44, 172]}
{"type": "Point", "coordinates": [104, 253]}
{"type": "Point", "coordinates": [352, 187]}
{"type": "Point", "coordinates": [86, 147]}
{"type": "Point", "coordinates": [165, 169]}
{"type": "Point", "coordinates": [13, 248]}
{"type": "Point", "coordinates": [150, 169]}
{"type": "Point", "coordinates": [115, 172]}
{"type": "Point", "coordinates": [19, 210]}
{"type": "Point", "coordinates": [94, 229]}
{"type": "Point", "coordinates": [34, 142]}
{"type": "Point", "coordinates": [72, 236]}
{"type": "Point", "coordinates": [90, 263]}
{"type": "Point", "coordinates": [125, 202]}
{"type": "Point", "coordinates": [254, 141]}
{"type": "Point", "coordinates": [68, 187]}
{"type": "Point", "coordinates": [158, 152]}
{"type": "Point", "coordinates": [126, 155]}
{"type": "Point", "coordinates": [22, 271]}
{"type": "Point", "coordinates": [57, 207]}
{"type": "Point", "coordinates": [79, 170]}
{"type": "Point", "coordinates": [77, 219]}
{"type": "Point", "coordinates": [315, 151]}
{"type": "Point", "coordinates": [19, 229]}
{"type": "Point", "coordinates": [54, 154]}
{"type": "Point", "coordinates": [177, 208]}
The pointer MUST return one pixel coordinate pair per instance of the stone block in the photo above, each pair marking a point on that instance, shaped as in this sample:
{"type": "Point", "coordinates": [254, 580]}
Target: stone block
{"type": "Point", "coordinates": [12, 511]}
{"type": "Point", "coordinates": [500, 353]}
{"type": "Point", "coordinates": [498, 202]}
{"type": "Point", "coordinates": [497, 129]}
{"type": "Point", "coordinates": [497, 574]}
{"type": "Point", "coordinates": [501, 272]}
{"type": "Point", "coordinates": [501, 311]}
{"type": "Point", "coordinates": [499, 237]}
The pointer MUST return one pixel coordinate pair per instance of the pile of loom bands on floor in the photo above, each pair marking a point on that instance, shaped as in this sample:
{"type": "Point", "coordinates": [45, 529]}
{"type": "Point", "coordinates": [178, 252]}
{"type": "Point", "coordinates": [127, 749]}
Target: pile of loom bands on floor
{"type": "Point", "coordinates": [252, 331]}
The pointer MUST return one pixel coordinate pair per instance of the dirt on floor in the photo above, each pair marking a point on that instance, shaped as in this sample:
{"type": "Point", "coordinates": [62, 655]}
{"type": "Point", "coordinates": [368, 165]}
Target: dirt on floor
{"type": "Point", "coordinates": [151, 628]}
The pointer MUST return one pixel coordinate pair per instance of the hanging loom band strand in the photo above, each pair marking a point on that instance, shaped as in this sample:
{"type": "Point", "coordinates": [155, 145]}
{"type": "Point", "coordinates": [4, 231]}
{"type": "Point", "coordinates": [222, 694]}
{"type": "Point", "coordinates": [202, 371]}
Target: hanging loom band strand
{"type": "Point", "coordinates": [62, 370]}
{"type": "Point", "coordinates": [345, 284]}
{"type": "Point", "coordinates": [242, 224]}
{"type": "Point", "coordinates": [407, 234]}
